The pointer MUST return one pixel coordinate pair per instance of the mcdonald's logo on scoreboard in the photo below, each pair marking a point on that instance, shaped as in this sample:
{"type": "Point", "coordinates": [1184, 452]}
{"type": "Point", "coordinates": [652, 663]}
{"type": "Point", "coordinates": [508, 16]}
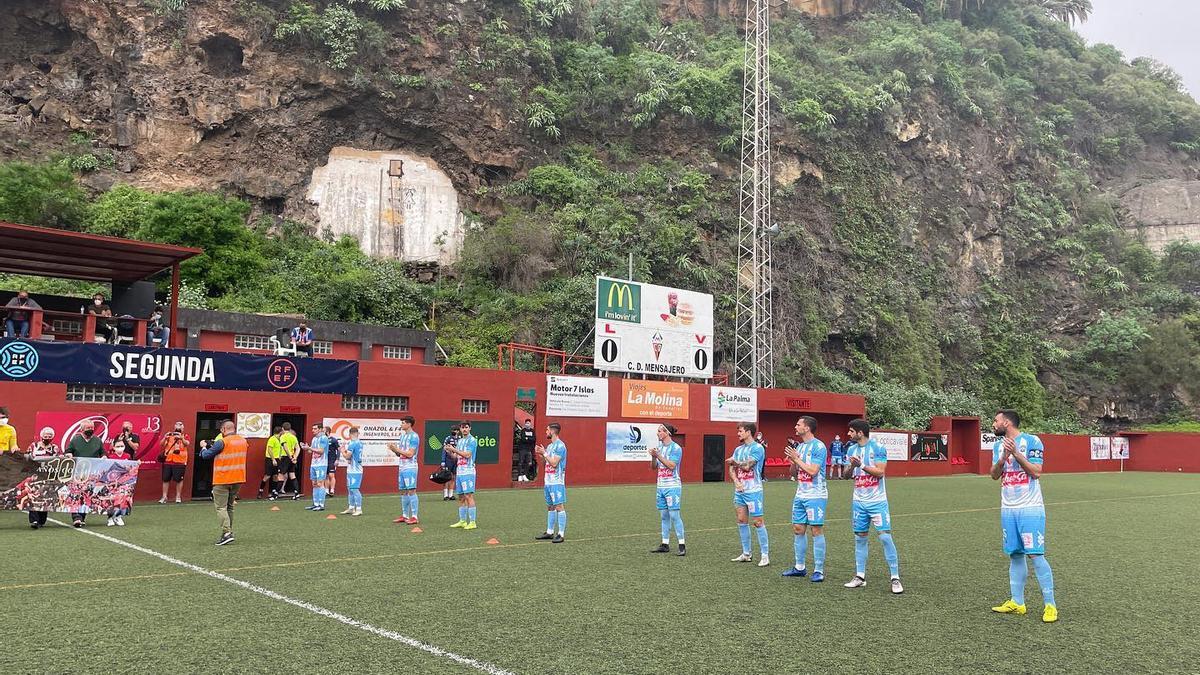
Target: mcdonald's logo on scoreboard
{"type": "Point", "coordinates": [618, 300]}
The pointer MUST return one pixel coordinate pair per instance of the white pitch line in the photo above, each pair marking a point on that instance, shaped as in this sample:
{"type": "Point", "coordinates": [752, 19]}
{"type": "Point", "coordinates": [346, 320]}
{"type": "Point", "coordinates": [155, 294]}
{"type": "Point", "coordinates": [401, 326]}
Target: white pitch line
{"type": "Point", "coordinates": [321, 611]}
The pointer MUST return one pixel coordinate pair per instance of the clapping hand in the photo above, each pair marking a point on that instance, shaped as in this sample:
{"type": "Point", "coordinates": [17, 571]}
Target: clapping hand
{"type": "Point", "coordinates": [855, 461]}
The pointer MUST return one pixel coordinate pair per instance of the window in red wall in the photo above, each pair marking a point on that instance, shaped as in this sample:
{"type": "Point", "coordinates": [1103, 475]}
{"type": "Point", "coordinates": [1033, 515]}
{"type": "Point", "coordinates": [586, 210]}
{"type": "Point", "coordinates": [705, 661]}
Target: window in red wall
{"type": "Point", "coordinates": [474, 406]}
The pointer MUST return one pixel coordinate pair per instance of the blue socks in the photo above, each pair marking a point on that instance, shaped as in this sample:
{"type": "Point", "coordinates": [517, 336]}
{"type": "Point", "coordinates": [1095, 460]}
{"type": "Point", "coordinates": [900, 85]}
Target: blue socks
{"type": "Point", "coordinates": [1017, 573]}
{"type": "Point", "coordinates": [562, 523]}
{"type": "Point", "coordinates": [818, 553]}
{"type": "Point", "coordinates": [762, 540]}
{"type": "Point", "coordinates": [665, 515]}
{"type": "Point", "coordinates": [744, 535]}
{"type": "Point", "coordinates": [551, 516]}
{"type": "Point", "coordinates": [889, 553]}
{"type": "Point", "coordinates": [860, 555]}
{"type": "Point", "coordinates": [678, 521]}
{"type": "Point", "coordinates": [319, 496]}
{"type": "Point", "coordinates": [1041, 567]}
{"type": "Point", "coordinates": [470, 514]}
{"type": "Point", "coordinates": [801, 545]}
{"type": "Point", "coordinates": [462, 513]}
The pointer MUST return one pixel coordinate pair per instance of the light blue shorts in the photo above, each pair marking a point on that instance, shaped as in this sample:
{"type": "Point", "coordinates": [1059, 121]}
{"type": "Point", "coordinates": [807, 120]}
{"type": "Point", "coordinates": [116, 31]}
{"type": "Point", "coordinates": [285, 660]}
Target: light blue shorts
{"type": "Point", "coordinates": [353, 480]}
{"type": "Point", "coordinates": [809, 511]}
{"type": "Point", "coordinates": [669, 498]}
{"type": "Point", "coordinates": [555, 494]}
{"type": "Point", "coordinates": [864, 515]}
{"type": "Point", "coordinates": [1024, 530]}
{"type": "Point", "coordinates": [320, 472]}
{"type": "Point", "coordinates": [753, 501]}
{"type": "Point", "coordinates": [464, 485]}
{"type": "Point", "coordinates": [408, 479]}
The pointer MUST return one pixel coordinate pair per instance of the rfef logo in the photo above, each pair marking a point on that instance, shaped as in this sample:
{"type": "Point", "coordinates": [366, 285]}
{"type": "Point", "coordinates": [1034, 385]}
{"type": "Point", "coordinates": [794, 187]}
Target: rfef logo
{"type": "Point", "coordinates": [282, 374]}
{"type": "Point", "coordinates": [618, 300]}
{"type": "Point", "coordinates": [18, 359]}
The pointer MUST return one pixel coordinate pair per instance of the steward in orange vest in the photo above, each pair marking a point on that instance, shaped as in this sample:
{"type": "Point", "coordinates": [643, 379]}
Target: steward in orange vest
{"type": "Point", "coordinates": [228, 452]}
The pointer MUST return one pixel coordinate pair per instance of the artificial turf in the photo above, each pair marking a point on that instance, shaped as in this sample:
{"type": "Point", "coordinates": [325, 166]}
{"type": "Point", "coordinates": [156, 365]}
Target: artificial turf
{"type": "Point", "coordinates": [1123, 548]}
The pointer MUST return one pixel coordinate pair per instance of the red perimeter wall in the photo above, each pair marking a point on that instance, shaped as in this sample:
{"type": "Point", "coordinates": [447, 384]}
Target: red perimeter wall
{"type": "Point", "coordinates": [437, 393]}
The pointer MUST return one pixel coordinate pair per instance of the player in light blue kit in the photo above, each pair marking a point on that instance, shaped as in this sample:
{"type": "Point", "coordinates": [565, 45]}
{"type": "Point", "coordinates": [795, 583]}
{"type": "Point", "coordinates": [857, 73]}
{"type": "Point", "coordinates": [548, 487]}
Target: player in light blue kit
{"type": "Point", "coordinates": [665, 460]}
{"type": "Point", "coordinates": [808, 508]}
{"type": "Point", "coordinates": [1017, 464]}
{"type": "Point", "coordinates": [318, 467]}
{"type": "Point", "coordinates": [868, 463]}
{"type": "Point", "coordinates": [745, 468]}
{"type": "Point", "coordinates": [554, 456]}
{"type": "Point", "coordinates": [406, 450]}
{"type": "Point", "coordinates": [465, 449]}
{"type": "Point", "coordinates": [352, 453]}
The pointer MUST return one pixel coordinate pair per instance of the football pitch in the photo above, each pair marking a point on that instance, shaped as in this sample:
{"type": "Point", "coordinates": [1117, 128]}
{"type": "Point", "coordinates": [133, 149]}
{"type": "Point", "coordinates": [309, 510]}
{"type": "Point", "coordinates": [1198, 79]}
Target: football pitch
{"type": "Point", "coordinates": [298, 592]}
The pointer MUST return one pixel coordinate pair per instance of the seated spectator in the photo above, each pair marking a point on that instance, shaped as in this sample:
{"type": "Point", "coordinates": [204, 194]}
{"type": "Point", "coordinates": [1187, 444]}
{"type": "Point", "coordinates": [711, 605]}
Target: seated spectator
{"type": "Point", "coordinates": [106, 331]}
{"type": "Point", "coordinates": [19, 315]}
{"type": "Point", "coordinates": [302, 339]}
{"type": "Point", "coordinates": [158, 334]}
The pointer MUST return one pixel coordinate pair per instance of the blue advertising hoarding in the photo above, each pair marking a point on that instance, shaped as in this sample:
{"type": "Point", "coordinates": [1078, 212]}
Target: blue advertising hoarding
{"type": "Point", "coordinates": [80, 363]}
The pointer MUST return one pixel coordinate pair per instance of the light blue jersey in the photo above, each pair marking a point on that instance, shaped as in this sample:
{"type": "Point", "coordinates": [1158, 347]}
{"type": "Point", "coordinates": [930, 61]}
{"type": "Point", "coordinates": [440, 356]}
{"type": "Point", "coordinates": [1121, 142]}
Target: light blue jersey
{"type": "Point", "coordinates": [812, 486]}
{"type": "Point", "coordinates": [1019, 490]}
{"type": "Point", "coordinates": [556, 475]}
{"type": "Point", "coordinates": [354, 468]}
{"type": "Point", "coordinates": [318, 457]}
{"type": "Point", "coordinates": [466, 465]}
{"type": "Point", "coordinates": [868, 489]}
{"type": "Point", "coordinates": [751, 479]}
{"type": "Point", "coordinates": [668, 493]}
{"type": "Point", "coordinates": [409, 440]}
{"type": "Point", "coordinates": [669, 478]}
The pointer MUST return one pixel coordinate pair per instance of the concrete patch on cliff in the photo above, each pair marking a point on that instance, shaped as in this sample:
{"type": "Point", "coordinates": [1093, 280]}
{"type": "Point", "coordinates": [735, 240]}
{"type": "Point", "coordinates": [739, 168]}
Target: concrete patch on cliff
{"type": "Point", "coordinates": [1164, 211]}
{"type": "Point", "coordinates": [398, 205]}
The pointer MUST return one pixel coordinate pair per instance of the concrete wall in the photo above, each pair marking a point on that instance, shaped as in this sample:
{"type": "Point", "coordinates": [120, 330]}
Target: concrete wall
{"type": "Point", "coordinates": [1164, 211]}
{"type": "Point", "coordinates": [413, 217]}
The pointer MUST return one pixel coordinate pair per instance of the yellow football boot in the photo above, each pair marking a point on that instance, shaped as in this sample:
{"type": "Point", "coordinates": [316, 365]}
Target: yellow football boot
{"type": "Point", "coordinates": [1050, 614]}
{"type": "Point", "coordinates": [1010, 607]}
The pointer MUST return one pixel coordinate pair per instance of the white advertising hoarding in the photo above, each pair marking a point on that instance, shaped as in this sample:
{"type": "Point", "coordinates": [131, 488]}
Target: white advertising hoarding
{"type": "Point", "coordinates": [628, 441]}
{"type": "Point", "coordinates": [576, 396]}
{"type": "Point", "coordinates": [375, 435]}
{"type": "Point", "coordinates": [1101, 447]}
{"type": "Point", "coordinates": [987, 441]}
{"type": "Point", "coordinates": [733, 404]}
{"type": "Point", "coordinates": [644, 328]}
{"type": "Point", "coordinates": [1120, 448]}
{"type": "Point", "coordinates": [896, 444]}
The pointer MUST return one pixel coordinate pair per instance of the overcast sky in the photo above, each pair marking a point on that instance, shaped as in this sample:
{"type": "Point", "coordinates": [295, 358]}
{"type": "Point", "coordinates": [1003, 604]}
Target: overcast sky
{"type": "Point", "coordinates": [1163, 29]}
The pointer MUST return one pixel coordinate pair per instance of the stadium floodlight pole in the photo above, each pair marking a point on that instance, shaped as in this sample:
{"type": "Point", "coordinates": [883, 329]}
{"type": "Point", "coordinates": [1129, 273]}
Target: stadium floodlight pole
{"type": "Point", "coordinates": [753, 348]}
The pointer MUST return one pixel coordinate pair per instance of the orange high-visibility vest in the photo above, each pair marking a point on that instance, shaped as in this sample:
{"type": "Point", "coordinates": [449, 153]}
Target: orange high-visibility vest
{"type": "Point", "coordinates": [229, 467]}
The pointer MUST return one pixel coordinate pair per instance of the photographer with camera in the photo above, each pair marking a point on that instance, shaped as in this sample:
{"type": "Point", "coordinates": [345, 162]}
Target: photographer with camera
{"type": "Point", "coordinates": [174, 458]}
{"type": "Point", "coordinates": [449, 463]}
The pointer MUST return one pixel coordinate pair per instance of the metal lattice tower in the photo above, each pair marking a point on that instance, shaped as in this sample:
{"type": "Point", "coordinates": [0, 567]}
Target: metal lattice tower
{"type": "Point", "coordinates": [754, 356]}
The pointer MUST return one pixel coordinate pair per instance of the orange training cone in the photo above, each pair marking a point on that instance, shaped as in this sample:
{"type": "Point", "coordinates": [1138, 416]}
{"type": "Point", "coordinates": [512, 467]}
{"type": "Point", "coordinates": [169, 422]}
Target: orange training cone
{"type": "Point", "coordinates": [274, 508]}
{"type": "Point", "coordinates": [416, 530]}
{"type": "Point", "coordinates": [331, 517]}
{"type": "Point", "coordinates": [493, 541]}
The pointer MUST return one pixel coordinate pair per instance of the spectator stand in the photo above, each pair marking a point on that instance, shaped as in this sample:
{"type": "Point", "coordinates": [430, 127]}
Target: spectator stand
{"type": "Point", "coordinates": [59, 254]}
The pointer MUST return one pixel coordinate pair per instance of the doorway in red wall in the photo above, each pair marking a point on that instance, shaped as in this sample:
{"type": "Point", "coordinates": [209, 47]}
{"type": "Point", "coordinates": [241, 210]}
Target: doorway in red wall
{"type": "Point", "coordinates": [208, 425]}
{"type": "Point", "coordinates": [714, 458]}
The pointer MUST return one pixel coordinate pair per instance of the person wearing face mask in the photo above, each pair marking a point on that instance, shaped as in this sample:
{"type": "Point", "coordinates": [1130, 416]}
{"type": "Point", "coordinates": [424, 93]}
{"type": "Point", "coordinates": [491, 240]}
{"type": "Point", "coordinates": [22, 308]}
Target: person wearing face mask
{"type": "Point", "coordinates": [42, 450]}
{"type": "Point", "coordinates": [19, 308]}
{"type": "Point", "coordinates": [8, 435]}
{"type": "Point", "coordinates": [1017, 464]}
{"type": "Point", "coordinates": [526, 439]}
{"type": "Point", "coordinates": [85, 444]}
{"type": "Point", "coordinates": [118, 511]}
{"type": "Point", "coordinates": [156, 331]}
{"type": "Point", "coordinates": [132, 441]}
